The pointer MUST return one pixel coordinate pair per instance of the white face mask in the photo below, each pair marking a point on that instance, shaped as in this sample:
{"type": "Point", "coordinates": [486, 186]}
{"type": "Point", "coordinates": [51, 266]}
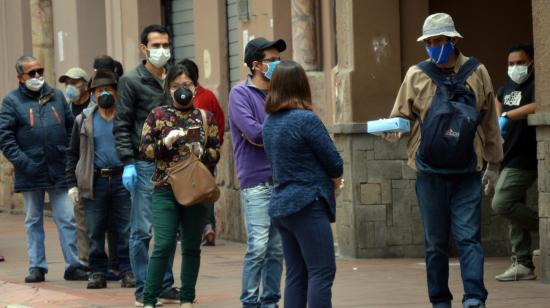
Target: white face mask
{"type": "Point", "coordinates": [518, 73]}
{"type": "Point", "coordinates": [34, 84]}
{"type": "Point", "coordinates": [159, 56]}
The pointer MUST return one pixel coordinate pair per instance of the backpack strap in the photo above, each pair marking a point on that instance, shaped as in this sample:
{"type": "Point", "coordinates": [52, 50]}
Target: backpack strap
{"type": "Point", "coordinates": [204, 125]}
{"type": "Point", "coordinates": [466, 70]}
{"type": "Point", "coordinates": [430, 69]}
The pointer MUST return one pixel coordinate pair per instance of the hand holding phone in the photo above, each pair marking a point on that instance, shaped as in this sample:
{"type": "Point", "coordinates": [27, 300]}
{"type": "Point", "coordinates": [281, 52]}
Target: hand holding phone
{"type": "Point", "coordinates": [193, 134]}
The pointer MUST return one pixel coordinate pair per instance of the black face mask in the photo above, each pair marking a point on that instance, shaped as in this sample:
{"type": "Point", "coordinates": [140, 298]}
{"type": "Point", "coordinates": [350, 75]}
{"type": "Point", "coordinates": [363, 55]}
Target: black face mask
{"type": "Point", "coordinates": [183, 99]}
{"type": "Point", "coordinates": [106, 100]}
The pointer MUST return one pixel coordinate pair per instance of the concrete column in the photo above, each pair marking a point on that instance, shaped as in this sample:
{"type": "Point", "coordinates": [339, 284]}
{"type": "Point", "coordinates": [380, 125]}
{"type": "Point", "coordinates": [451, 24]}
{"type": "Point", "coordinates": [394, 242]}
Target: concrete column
{"type": "Point", "coordinates": [42, 37]}
{"type": "Point", "coordinates": [541, 26]}
{"type": "Point", "coordinates": [15, 31]}
{"type": "Point", "coordinates": [305, 33]}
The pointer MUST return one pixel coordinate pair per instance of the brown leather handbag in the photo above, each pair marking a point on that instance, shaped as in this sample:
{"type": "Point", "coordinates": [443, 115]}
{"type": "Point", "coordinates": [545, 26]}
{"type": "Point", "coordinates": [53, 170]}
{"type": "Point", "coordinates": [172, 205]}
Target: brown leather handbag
{"type": "Point", "coordinates": [191, 181]}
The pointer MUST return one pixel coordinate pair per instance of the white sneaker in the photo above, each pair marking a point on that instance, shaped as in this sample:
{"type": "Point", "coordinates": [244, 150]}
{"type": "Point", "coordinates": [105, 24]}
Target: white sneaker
{"type": "Point", "coordinates": [516, 272]}
{"type": "Point", "coordinates": [139, 303]}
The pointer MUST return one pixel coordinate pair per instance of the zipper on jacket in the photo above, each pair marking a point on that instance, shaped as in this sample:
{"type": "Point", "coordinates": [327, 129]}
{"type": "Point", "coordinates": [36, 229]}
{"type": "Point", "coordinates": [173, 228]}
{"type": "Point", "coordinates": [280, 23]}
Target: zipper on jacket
{"type": "Point", "coordinates": [31, 117]}
{"type": "Point", "coordinates": [56, 115]}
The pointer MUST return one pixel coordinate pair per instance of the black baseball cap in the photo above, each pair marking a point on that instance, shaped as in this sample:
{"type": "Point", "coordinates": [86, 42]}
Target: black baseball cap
{"type": "Point", "coordinates": [254, 49]}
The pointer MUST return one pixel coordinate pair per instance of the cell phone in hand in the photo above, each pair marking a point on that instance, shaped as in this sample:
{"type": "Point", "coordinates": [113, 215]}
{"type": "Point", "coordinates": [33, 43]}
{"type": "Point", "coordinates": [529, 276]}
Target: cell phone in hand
{"type": "Point", "coordinates": [193, 134]}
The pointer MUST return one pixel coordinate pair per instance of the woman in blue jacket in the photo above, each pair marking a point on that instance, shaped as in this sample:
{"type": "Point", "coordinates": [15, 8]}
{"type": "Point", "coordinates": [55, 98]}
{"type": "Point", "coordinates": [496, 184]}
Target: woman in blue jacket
{"type": "Point", "coordinates": [307, 170]}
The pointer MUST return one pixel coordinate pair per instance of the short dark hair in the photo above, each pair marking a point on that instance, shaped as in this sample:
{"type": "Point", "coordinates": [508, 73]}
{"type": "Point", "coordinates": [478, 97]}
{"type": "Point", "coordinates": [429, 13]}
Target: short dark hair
{"type": "Point", "coordinates": [257, 56]}
{"type": "Point", "coordinates": [108, 63]}
{"type": "Point", "coordinates": [289, 88]}
{"type": "Point", "coordinates": [193, 70]}
{"type": "Point", "coordinates": [173, 72]}
{"type": "Point", "coordinates": [144, 37]}
{"type": "Point", "coordinates": [525, 47]}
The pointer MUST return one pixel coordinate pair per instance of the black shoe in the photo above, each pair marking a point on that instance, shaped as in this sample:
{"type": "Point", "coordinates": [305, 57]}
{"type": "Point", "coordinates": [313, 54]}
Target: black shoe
{"type": "Point", "coordinates": [128, 280]}
{"type": "Point", "coordinates": [75, 274]}
{"type": "Point", "coordinates": [36, 274]}
{"type": "Point", "coordinates": [97, 281]}
{"type": "Point", "coordinates": [170, 296]}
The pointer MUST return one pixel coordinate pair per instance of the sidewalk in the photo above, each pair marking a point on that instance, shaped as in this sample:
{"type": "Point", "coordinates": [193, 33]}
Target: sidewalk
{"type": "Point", "coordinates": [359, 283]}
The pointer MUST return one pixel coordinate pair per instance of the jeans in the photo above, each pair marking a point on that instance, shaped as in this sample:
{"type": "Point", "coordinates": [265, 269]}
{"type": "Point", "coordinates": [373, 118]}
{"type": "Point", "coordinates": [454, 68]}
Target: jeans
{"type": "Point", "coordinates": [141, 219]}
{"type": "Point", "coordinates": [509, 202]}
{"type": "Point", "coordinates": [110, 197]}
{"type": "Point", "coordinates": [63, 216]}
{"type": "Point", "coordinates": [263, 261]}
{"type": "Point", "coordinates": [309, 256]}
{"type": "Point", "coordinates": [452, 203]}
{"type": "Point", "coordinates": [168, 218]}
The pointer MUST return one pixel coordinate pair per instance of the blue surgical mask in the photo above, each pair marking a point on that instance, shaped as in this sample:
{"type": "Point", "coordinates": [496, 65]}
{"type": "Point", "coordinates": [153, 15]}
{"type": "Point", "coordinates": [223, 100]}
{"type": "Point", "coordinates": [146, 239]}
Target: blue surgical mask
{"type": "Point", "coordinates": [72, 93]}
{"type": "Point", "coordinates": [440, 54]}
{"type": "Point", "coordinates": [270, 69]}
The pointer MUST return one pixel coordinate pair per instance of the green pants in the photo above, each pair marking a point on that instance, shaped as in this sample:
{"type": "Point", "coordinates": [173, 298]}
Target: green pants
{"type": "Point", "coordinates": [168, 218]}
{"type": "Point", "coordinates": [509, 202]}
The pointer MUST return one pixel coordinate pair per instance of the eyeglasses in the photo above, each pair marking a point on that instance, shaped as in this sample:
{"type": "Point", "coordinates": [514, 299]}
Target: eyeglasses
{"type": "Point", "coordinates": [269, 60]}
{"type": "Point", "coordinates": [33, 72]}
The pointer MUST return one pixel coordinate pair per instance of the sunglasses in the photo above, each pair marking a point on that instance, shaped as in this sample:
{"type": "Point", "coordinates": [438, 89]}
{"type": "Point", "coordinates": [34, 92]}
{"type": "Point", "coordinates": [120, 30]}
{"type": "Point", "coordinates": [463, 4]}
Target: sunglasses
{"type": "Point", "coordinates": [33, 72]}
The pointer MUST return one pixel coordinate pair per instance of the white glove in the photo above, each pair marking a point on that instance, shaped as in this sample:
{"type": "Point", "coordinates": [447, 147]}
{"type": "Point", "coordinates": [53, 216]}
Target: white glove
{"type": "Point", "coordinates": [392, 136]}
{"type": "Point", "coordinates": [489, 180]}
{"type": "Point", "coordinates": [74, 195]}
{"type": "Point", "coordinates": [196, 148]}
{"type": "Point", "coordinates": [173, 135]}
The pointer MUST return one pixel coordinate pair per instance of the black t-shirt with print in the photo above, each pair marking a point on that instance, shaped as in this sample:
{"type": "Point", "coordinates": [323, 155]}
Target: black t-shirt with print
{"type": "Point", "coordinates": [520, 143]}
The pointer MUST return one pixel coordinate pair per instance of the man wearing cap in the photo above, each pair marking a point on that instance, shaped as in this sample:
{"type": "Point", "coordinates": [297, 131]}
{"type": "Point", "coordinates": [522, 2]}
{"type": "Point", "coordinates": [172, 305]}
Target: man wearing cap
{"type": "Point", "coordinates": [94, 173]}
{"type": "Point", "coordinates": [140, 91]}
{"type": "Point", "coordinates": [35, 125]}
{"type": "Point", "coordinates": [76, 89]}
{"type": "Point", "coordinates": [450, 199]}
{"type": "Point", "coordinates": [78, 96]}
{"type": "Point", "coordinates": [264, 254]}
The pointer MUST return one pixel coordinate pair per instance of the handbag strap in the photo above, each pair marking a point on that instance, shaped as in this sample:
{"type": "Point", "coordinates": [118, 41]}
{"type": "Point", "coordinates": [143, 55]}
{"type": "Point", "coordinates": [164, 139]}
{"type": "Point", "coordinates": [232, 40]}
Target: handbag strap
{"type": "Point", "coordinates": [204, 126]}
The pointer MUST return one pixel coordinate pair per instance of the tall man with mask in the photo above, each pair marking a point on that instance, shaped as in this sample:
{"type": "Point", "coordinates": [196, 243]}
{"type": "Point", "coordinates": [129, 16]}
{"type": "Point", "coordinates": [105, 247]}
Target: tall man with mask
{"type": "Point", "coordinates": [139, 91]}
{"type": "Point", "coordinates": [35, 127]}
{"type": "Point", "coordinates": [449, 185]}
{"type": "Point", "coordinates": [78, 96]}
{"type": "Point", "coordinates": [514, 102]}
{"type": "Point", "coordinates": [264, 253]}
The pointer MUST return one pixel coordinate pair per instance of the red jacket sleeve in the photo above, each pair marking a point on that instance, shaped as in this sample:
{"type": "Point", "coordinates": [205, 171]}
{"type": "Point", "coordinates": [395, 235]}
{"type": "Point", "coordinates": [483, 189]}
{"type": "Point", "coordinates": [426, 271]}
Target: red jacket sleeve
{"type": "Point", "coordinates": [205, 99]}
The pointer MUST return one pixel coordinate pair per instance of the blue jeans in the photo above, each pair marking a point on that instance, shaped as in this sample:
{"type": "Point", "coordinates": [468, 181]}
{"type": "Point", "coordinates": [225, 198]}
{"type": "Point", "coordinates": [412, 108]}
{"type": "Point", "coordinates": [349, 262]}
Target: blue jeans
{"type": "Point", "coordinates": [141, 224]}
{"type": "Point", "coordinates": [63, 216]}
{"type": "Point", "coordinates": [263, 261]}
{"type": "Point", "coordinates": [452, 203]}
{"type": "Point", "coordinates": [309, 256]}
{"type": "Point", "coordinates": [110, 198]}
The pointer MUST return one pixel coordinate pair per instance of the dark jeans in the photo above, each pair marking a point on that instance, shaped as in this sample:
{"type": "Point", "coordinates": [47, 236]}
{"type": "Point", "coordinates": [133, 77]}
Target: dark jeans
{"type": "Point", "coordinates": [110, 198]}
{"type": "Point", "coordinates": [168, 218]}
{"type": "Point", "coordinates": [309, 256]}
{"type": "Point", "coordinates": [211, 216]}
{"type": "Point", "coordinates": [452, 203]}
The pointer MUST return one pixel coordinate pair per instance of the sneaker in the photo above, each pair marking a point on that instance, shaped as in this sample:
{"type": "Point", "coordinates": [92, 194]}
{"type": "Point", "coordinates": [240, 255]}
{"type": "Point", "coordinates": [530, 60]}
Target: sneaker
{"type": "Point", "coordinates": [128, 280]}
{"type": "Point", "coordinates": [36, 274]}
{"type": "Point", "coordinates": [75, 274]}
{"type": "Point", "coordinates": [210, 238]}
{"type": "Point", "coordinates": [139, 303]}
{"type": "Point", "coordinates": [97, 281]}
{"type": "Point", "coordinates": [170, 296]}
{"type": "Point", "coordinates": [515, 272]}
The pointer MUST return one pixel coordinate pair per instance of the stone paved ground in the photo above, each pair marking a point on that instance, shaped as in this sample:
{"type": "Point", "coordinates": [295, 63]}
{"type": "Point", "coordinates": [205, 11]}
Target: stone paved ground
{"type": "Point", "coordinates": [359, 283]}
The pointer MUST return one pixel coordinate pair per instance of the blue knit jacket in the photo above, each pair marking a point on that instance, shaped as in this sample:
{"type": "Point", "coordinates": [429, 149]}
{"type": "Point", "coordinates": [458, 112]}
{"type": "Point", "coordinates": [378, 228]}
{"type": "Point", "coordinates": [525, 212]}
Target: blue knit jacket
{"type": "Point", "coordinates": [303, 159]}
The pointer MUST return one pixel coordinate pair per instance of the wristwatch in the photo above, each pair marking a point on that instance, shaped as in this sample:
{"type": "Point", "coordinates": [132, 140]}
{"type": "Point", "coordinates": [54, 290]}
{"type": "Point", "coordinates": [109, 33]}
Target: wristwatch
{"type": "Point", "coordinates": [504, 114]}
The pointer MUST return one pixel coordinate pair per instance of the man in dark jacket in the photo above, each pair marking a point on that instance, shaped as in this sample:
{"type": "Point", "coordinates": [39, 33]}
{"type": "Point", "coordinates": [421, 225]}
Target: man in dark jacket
{"type": "Point", "coordinates": [139, 91]}
{"type": "Point", "coordinates": [35, 124]}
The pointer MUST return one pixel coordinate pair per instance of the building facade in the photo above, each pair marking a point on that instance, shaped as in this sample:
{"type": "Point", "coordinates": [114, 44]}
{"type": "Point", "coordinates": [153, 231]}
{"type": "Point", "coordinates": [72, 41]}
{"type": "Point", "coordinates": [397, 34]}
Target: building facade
{"type": "Point", "coordinates": [356, 53]}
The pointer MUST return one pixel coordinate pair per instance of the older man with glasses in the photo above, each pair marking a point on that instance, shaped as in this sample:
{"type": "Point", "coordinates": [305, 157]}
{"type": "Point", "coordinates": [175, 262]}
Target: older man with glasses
{"type": "Point", "coordinates": [35, 126]}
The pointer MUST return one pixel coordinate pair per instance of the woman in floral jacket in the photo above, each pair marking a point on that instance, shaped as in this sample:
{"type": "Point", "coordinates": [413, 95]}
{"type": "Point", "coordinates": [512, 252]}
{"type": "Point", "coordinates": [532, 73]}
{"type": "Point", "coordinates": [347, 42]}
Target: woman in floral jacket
{"type": "Point", "coordinates": [170, 134]}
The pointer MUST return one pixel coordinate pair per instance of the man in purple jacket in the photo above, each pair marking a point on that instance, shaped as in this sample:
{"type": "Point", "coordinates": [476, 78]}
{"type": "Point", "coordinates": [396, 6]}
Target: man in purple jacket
{"type": "Point", "coordinates": [264, 253]}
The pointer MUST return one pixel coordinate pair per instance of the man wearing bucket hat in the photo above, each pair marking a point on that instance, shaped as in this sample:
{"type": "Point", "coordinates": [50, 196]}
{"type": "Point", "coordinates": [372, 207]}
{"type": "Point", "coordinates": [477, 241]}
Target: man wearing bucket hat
{"type": "Point", "coordinates": [246, 108]}
{"type": "Point", "coordinates": [449, 194]}
{"type": "Point", "coordinates": [94, 173]}
{"type": "Point", "coordinates": [78, 96]}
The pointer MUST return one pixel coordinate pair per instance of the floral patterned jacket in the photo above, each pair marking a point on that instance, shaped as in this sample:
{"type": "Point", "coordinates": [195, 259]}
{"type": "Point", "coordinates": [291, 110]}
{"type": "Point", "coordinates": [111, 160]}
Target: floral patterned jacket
{"type": "Point", "coordinates": [158, 125]}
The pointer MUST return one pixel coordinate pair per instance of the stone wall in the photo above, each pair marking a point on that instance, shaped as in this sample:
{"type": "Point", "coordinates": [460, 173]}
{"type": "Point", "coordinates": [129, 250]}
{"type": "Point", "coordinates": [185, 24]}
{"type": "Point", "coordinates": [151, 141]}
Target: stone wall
{"type": "Point", "coordinates": [378, 214]}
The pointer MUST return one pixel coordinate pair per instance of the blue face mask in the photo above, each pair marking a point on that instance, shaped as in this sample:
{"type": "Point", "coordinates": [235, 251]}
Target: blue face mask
{"type": "Point", "coordinates": [441, 54]}
{"type": "Point", "coordinates": [270, 69]}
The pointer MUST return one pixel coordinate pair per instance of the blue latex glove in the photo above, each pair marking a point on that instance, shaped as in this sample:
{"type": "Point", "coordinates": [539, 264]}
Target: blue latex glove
{"type": "Point", "coordinates": [502, 123]}
{"type": "Point", "coordinates": [129, 177]}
